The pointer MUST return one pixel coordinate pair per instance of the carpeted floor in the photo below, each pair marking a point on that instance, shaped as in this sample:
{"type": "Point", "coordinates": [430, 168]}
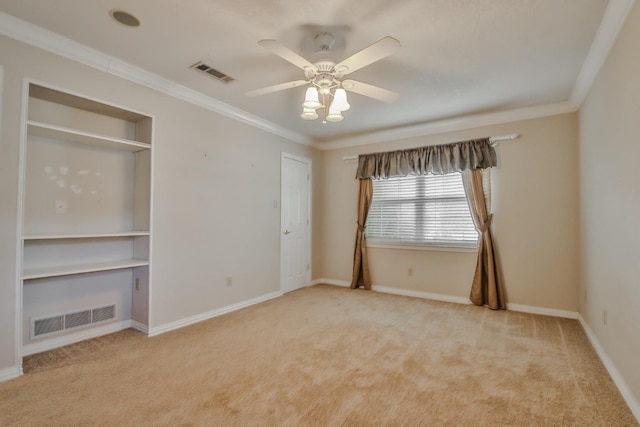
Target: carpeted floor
{"type": "Point", "coordinates": [327, 356]}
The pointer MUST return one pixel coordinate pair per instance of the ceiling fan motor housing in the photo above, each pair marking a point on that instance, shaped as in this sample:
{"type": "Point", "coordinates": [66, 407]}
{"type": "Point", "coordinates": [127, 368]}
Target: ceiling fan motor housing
{"type": "Point", "coordinates": [325, 79]}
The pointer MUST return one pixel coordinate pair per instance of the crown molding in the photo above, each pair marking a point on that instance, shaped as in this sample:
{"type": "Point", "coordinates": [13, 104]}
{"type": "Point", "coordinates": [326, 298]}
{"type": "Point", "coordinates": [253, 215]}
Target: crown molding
{"type": "Point", "coordinates": [612, 22]}
{"type": "Point", "coordinates": [450, 125]}
{"type": "Point", "coordinates": [33, 35]}
{"type": "Point", "coordinates": [138, 75]}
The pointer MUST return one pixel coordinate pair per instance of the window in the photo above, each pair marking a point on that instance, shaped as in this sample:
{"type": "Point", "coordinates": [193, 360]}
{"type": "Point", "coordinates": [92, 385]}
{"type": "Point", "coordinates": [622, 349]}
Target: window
{"type": "Point", "coordinates": [424, 210]}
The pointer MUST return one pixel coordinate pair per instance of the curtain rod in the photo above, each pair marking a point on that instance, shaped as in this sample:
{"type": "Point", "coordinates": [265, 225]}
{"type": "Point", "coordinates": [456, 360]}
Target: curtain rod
{"type": "Point", "coordinates": [494, 140]}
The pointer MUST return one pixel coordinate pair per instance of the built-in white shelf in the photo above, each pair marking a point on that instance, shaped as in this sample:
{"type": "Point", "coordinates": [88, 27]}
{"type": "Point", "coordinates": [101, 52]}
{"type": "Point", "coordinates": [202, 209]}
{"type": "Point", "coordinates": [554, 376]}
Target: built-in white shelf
{"type": "Point", "coordinates": [99, 252]}
{"type": "Point", "coordinates": [62, 133]}
{"type": "Point", "coordinates": [66, 270]}
{"type": "Point", "coordinates": [84, 236]}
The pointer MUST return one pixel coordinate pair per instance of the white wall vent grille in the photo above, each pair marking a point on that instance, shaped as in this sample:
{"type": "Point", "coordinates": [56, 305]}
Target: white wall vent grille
{"type": "Point", "coordinates": [58, 323]}
{"type": "Point", "coordinates": [80, 318]}
{"type": "Point", "coordinates": [103, 313]}
{"type": "Point", "coordinates": [48, 325]}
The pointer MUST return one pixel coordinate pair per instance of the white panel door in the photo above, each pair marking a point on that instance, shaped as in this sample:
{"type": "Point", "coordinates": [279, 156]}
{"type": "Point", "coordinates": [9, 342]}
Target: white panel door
{"type": "Point", "coordinates": [295, 267]}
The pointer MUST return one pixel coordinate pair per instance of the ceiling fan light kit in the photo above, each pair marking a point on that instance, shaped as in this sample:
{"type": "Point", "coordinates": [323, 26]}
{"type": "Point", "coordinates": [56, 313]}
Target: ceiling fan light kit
{"type": "Point", "coordinates": [311, 99]}
{"type": "Point", "coordinates": [312, 103]}
{"type": "Point", "coordinates": [340, 100]}
{"type": "Point", "coordinates": [309, 114]}
{"type": "Point", "coordinates": [336, 107]}
{"type": "Point", "coordinates": [334, 116]}
{"type": "Point", "coordinates": [325, 79]}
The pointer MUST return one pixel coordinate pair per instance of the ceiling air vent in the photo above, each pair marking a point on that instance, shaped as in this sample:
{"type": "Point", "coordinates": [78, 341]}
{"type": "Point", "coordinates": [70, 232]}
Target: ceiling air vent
{"type": "Point", "coordinates": [204, 68]}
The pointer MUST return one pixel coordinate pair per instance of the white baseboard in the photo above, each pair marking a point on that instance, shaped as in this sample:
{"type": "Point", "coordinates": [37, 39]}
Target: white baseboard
{"type": "Point", "coordinates": [140, 327]}
{"type": "Point", "coordinates": [397, 291]}
{"type": "Point", "coordinates": [626, 392]}
{"type": "Point", "coordinates": [210, 314]}
{"type": "Point", "coordinates": [341, 283]}
{"type": "Point", "coordinates": [543, 310]}
{"type": "Point", "coordinates": [10, 373]}
{"type": "Point", "coordinates": [452, 298]}
{"type": "Point", "coordinates": [420, 294]}
{"type": "Point", "coordinates": [55, 342]}
{"type": "Point", "coordinates": [628, 396]}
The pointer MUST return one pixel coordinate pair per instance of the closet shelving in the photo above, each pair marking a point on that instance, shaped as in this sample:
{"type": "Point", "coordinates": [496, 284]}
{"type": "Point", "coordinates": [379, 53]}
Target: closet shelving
{"type": "Point", "coordinates": [47, 130]}
{"type": "Point", "coordinates": [68, 269]}
{"type": "Point", "coordinates": [86, 218]}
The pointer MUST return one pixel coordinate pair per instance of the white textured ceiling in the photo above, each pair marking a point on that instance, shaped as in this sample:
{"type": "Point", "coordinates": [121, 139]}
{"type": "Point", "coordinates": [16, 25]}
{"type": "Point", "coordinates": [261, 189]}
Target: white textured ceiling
{"type": "Point", "coordinates": [458, 57]}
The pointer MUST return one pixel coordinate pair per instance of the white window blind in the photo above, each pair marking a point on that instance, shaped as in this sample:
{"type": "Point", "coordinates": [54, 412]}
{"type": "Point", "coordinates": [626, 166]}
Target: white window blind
{"type": "Point", "coordinates": [421, 210]}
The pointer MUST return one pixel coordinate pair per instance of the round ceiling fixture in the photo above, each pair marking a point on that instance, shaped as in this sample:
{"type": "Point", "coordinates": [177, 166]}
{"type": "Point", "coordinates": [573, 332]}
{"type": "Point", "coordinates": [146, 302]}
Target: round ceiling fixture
{"type": "Point", "coordinates": [324, 42]}
{"type": "Point", "coordinates": [125, 18]}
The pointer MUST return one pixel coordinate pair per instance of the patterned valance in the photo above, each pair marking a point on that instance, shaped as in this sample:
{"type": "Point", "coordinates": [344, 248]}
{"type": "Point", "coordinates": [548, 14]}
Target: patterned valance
{"type": "Point", "coordinates": [433, 159]}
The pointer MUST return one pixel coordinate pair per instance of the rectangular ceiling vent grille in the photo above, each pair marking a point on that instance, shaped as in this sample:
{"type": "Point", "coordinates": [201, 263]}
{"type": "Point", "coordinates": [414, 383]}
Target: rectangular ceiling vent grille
{"type": "Point", "coordinates": [207, 69]}
{"type": "Point", "coordinates": [61, 322]}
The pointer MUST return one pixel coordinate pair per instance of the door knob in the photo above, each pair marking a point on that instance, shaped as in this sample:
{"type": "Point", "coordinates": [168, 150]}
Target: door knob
{"type": "Point", "coordinates": [287, 232]}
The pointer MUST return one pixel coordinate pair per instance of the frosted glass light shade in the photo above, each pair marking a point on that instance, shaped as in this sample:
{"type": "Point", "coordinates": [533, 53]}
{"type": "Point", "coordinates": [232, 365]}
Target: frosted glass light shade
{"type": "Point", "coordinates": [340, 100]}
{"type": "Point", "coordinates": [309, 114]}
{"type": "Point", "coordinates": [311, 98]}
{"type": "Point", "coordinates": [334, 116]}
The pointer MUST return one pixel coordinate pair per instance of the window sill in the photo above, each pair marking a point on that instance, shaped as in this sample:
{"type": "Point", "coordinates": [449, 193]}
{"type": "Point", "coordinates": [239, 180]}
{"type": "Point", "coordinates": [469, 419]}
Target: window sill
{"type": "Point", "coordinates": [371, 243]}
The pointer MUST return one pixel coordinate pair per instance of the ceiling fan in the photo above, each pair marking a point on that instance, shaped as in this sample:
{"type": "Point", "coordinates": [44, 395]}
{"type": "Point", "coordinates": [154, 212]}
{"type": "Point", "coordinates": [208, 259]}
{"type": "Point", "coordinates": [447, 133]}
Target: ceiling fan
{"type": "Point", "coordinates": [325, 80]}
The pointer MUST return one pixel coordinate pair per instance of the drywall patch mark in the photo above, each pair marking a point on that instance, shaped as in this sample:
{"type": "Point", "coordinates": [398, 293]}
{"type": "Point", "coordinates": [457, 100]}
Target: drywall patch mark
{"type": "Point", "coordinates": [57, 174]}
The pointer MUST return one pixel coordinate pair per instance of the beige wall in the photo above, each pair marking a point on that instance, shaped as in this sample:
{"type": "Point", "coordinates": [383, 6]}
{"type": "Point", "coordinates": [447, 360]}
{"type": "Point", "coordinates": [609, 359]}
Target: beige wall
{"type": "Point", "coordinates": [215, 181]}
{"type": "Point", "coordinates": [535, 205]}
{"type": "Point", "coordinates": [198, 240]}
{"type": "Point", "coordinates": [610, 204]}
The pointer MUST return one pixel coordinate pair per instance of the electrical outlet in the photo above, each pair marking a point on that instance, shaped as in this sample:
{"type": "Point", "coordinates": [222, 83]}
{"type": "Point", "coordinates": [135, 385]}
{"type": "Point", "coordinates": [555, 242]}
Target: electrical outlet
{"type": "Point", "coordinates": [137, 284]}
{"type": "Point", "coordinates": [229, 280]}
{"type": "Point", "coordinates": [410, 272]}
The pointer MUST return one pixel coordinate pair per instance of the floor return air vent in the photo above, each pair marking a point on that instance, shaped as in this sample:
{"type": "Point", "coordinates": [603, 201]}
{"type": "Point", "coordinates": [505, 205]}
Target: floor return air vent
{"type": "Point", "coordinates": [62, 322]}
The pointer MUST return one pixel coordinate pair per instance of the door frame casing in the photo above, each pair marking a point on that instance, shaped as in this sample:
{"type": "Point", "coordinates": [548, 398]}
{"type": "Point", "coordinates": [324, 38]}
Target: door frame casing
{"type": "Point", "coordinates": [309, 164]}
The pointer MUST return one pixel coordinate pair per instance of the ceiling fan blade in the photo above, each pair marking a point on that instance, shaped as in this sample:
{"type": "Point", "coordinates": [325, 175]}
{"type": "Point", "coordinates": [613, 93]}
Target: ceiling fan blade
{"type": "Point", "coordinates": [287, 54]}
{"type": "Point", "coordinates": [275, 88]}
{"type": "Point", "coordinates": [370, 91]}
{"type": "Point", "coordinates": [380, 49]}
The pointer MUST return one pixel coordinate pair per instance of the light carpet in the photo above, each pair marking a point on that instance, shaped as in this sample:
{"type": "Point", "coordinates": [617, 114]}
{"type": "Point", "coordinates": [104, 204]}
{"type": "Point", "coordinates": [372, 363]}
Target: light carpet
{"type": "Point", "coordinates": [327, 356]}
